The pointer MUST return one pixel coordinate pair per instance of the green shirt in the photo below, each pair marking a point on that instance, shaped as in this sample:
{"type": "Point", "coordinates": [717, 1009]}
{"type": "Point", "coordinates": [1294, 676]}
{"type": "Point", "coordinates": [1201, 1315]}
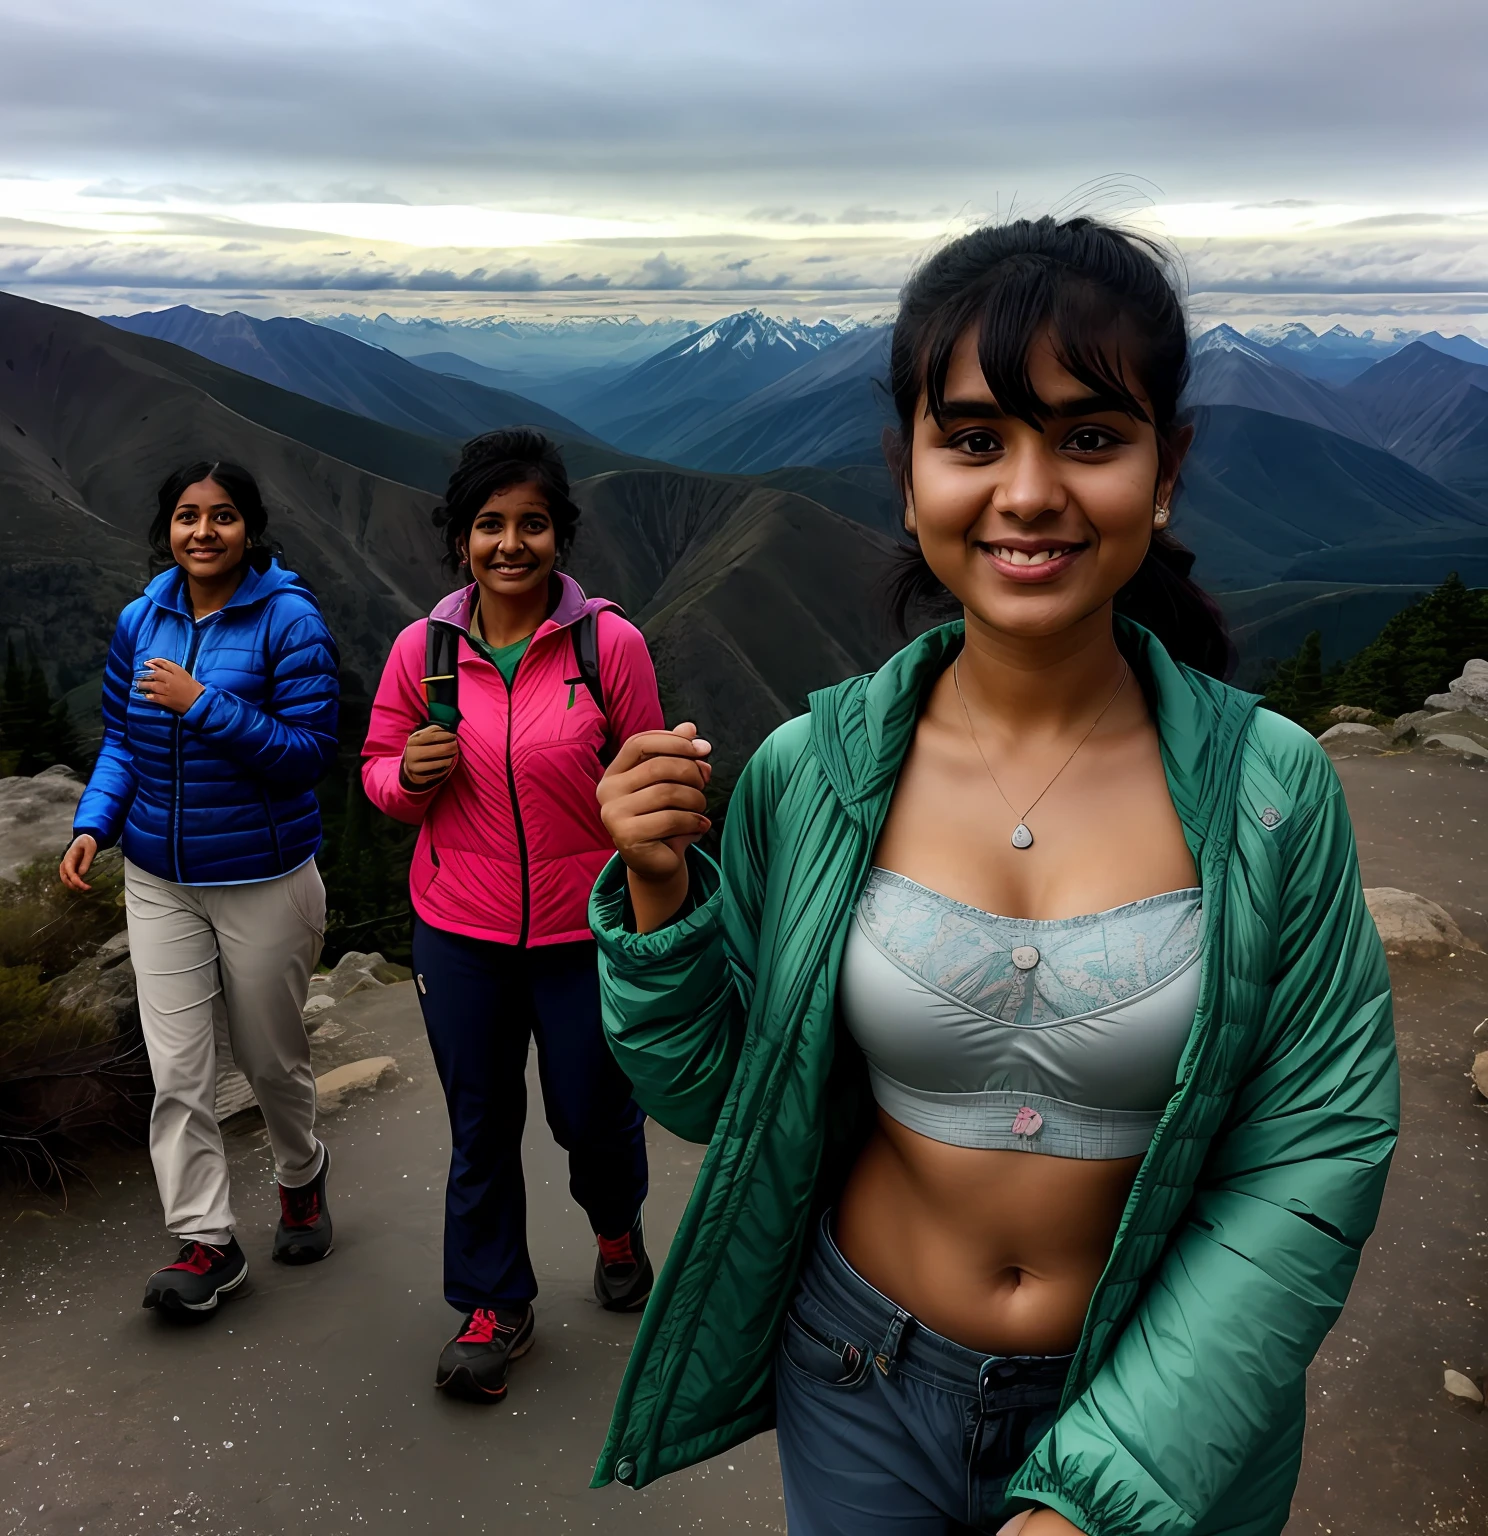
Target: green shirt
{"type": "Point", "coordinates": [504, 657]}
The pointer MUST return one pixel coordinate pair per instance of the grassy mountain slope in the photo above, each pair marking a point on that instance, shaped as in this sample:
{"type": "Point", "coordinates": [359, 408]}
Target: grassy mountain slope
{"type": "Point", "coordinates": [91, 422]}
{"type": "Point", "coordinates": [750, 597]}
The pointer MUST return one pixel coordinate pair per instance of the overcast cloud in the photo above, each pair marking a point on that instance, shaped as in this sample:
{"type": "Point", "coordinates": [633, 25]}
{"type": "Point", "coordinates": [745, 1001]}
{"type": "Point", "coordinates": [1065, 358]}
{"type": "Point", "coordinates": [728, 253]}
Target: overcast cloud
{"type": "Point", "coordinates": [1324, 146]}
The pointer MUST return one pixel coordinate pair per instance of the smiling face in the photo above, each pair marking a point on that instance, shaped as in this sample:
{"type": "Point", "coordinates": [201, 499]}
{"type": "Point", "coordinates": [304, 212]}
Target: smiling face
{"type": "Point", "coordinates": [512, 546]}
{"type": "Point", "coordinates": [208, 537]}
{"type": "Point", "coordinates": [1034, 531]}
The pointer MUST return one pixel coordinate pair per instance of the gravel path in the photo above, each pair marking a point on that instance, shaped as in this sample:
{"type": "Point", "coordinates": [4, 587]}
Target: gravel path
{"type": "Point", "coordinates": [309, 1403]}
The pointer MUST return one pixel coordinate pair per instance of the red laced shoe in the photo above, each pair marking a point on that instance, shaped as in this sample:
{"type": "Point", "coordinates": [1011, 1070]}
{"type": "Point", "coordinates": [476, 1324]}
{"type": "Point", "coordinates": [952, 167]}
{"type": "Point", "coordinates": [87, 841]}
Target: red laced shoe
{"type": "Point", "coordinates": [623, 1276]}
{"type": "Point", "coordinates": [304, 1234]}
{"type": "Point", "coordinates": [473, 1364]}
{"type": "Point", "coordinates": [198, 1279]}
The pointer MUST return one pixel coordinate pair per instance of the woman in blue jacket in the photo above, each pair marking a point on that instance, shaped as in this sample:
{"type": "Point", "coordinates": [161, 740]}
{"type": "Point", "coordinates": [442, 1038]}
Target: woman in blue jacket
{"type": "Point", "coordinates": [219, 706]}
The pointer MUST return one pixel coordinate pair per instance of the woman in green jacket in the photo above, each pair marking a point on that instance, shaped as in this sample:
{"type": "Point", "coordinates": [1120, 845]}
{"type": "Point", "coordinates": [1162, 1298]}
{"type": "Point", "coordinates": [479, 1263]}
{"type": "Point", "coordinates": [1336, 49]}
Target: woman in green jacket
{"type": "Point", "coordinates": [1034, 1020]}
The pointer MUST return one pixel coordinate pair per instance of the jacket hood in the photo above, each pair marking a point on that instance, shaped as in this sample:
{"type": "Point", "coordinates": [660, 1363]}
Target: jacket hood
{"type": "Point", "coordinates": [459, 606]}
{"type": "Point", "coordinates": [168, 589]}
{"type": "Point", "coordinates": [862, 729]}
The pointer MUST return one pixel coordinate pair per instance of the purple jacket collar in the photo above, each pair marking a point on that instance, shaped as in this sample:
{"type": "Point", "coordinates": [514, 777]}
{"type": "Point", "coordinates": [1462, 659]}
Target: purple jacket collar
{"type": "Point", "coordinates": [459, 606]}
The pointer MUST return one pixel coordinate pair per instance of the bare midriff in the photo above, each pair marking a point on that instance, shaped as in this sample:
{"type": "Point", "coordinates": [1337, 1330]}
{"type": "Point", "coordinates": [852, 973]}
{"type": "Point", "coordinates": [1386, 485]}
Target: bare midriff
{"type": "Point", "coordinates": [1000, 1251]}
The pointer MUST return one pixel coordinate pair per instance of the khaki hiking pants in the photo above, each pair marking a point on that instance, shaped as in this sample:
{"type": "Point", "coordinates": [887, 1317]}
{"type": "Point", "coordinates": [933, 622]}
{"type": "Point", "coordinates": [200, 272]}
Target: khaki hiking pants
{"type": "Point", "coordinates": [229, 961]}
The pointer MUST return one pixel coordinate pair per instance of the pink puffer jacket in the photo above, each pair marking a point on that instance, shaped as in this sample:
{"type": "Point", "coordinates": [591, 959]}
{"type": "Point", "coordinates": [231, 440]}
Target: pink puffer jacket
{"type": "Point", "coordinates": [510, 845]}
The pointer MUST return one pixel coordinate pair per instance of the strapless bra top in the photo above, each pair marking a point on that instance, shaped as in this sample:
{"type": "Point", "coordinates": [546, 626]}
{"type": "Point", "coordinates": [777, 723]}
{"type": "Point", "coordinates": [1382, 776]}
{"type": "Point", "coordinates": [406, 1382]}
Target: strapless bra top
{"type": "Point", "coordinates": [1060, 1036]}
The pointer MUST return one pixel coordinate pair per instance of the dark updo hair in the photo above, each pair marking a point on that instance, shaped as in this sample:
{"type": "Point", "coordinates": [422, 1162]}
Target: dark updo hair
{"type": "Point", "coordinates": [1109, 302]}
{"type": "Point", "coordinates": [238, 484]}
{"type": "Point", "coordinates": [494, 462]}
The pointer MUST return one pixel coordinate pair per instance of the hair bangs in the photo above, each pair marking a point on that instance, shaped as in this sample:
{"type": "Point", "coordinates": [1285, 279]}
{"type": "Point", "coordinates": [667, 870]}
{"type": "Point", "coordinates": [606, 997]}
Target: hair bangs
{"type": "Point", "coordinates": [1024, 299]}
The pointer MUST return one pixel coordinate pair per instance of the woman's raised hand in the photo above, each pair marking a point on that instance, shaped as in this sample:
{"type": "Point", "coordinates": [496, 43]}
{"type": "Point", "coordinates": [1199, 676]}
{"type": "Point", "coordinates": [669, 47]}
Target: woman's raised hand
{"type": "Point", "coordinates": [653, 802]}
{"type": "Point", "coordinates": [77, 861]}
{"type": "Point", "coordinates": [429, 757]}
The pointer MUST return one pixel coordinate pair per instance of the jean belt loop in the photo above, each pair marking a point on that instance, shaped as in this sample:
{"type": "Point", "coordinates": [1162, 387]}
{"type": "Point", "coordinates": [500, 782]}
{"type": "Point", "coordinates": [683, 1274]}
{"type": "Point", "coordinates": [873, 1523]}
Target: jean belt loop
{"type": "Point", "coordinates": [893, 1341]}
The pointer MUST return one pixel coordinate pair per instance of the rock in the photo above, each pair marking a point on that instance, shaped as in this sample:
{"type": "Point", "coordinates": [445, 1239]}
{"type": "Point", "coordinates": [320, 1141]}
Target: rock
{"type": "Point", "coordinates": [354, 972]}
{"type": "Point", "coordinates": [1468, 692]}
{"type": "Point", "coordinates": [1480, 1073]}
{"type": "Point", "coordinates": [354, 1077]}
{"type": "Point", "coordinates": [1413, 928]}
{"type": "Point", "coordinates": [100, 988]}
{"type": "Point", "coordinates": [1455, 722]}
{"type": "Point", "coordinates": [1351, 712]}
{"type": "Point", "coordinates": [1462, 1386]}
{"type": "Point", "coordinates": [1463, 746]}
{"type": "Point", "coordinates": [1350, 737]}
{"type": "Point", "coordinates": [315, 1012]}
{"type": "Point", "coordinates": [36, 817]}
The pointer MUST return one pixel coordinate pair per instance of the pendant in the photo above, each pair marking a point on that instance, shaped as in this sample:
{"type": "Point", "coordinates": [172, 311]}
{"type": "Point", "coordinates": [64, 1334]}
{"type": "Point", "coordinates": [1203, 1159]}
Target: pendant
{"type": "Point", "coordinates": [1022, 837]}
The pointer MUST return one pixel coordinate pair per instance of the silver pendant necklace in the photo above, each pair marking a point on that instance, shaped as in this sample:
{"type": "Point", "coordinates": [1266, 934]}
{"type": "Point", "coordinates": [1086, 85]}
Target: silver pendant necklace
{"type": "Point", "coordinates": [1022, 834]}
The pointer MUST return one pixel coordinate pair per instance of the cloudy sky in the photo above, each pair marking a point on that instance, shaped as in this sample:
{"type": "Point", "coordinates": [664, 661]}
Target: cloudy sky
{"type": "Point", "coordinates": [1319, 158]}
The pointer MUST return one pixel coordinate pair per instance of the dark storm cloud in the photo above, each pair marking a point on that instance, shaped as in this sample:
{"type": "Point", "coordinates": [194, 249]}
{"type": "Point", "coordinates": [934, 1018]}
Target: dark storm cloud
{"type": "Point", "coordinates": [790, 104]}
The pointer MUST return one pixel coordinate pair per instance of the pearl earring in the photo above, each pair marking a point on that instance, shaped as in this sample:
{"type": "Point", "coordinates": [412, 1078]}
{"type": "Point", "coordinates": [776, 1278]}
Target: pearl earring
{"type": "Point", "coordinates": [1160, 517]}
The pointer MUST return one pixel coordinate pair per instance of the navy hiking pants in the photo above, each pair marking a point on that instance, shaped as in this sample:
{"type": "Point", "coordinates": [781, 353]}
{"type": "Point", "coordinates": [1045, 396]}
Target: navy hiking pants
{"type": "Point", "coordinates": [483, 1004]}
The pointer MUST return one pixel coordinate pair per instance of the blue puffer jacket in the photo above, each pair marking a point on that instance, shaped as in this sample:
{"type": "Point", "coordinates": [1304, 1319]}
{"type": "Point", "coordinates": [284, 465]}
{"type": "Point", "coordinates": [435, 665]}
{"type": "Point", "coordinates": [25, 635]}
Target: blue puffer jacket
{"type": "Point", "coordinates": [223, 794]}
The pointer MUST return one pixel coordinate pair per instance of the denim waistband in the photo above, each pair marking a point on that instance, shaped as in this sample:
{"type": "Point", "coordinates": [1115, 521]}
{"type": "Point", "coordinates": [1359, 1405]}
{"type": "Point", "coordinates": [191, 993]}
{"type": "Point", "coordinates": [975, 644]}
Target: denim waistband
{"type": "Point", "coordinates": [900, 1342]}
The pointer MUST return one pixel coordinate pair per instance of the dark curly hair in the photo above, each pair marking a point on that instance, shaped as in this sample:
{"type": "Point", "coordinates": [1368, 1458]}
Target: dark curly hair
{"type": "Point", "coordinates": [496, 461]}
{"type": "Point", "coordinates": [1110, 303]}
{"type": "Point", "coordinates": [238, 484]}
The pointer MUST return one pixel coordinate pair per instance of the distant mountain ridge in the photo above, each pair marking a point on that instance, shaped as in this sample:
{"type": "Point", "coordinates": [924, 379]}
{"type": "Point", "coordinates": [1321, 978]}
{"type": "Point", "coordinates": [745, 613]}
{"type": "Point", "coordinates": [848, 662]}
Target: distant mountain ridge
{"type": "Point", "coordinates": [541, 349]}
{"type": "Point", "coordinates": [1431, 409]}
{"type": "Point", "coordinates": [339, 371]}
{"type": "Point", "coordinates": [1230, 369]}
{"type": "Point", "coordinates": [654, 406]}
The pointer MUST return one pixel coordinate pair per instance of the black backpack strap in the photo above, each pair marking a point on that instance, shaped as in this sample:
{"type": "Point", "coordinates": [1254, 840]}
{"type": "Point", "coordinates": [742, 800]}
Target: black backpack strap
{"type": "Point", "coordinates": [586, 654]}
{"type": "Point", "coordinates": [585, 634]}
{"type": "Point", "coordinates": [441, 679]}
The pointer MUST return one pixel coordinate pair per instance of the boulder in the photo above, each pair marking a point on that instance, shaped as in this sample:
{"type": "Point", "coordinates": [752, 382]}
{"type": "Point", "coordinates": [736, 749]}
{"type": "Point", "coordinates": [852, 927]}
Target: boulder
{"type": "Point", "coordinates": [100, 989]}
{"type": "Point", "coordinates": [1462, 746]}
{"type": "Point", "coordinates": [1344, 713]}
{"type": "Point", "coordinates": [1413, 928]}
{"type": "Point", "coordinates": [36, 817]}
{"type": "Point", "coordinates": [353, 972]}
{"type": "Point", "coordinates": [1468, 692]}
{"type": "Point", "coordinates": [1480, 1073]}
{"type": "Point", "coordinates": [315, 1012]}
{"type": "Point", "coordinates": [362, 1076]}
{"type": "Point", "coordinates": [1350, 737]}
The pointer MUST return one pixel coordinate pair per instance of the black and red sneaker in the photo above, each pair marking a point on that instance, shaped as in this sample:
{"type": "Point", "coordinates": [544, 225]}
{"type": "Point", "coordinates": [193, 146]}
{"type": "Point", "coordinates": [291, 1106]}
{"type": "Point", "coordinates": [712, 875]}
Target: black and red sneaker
{"type": "Point", "coordinates": [198, 1279]}
{"type": "Point", "coordinates": [622, 1273]}
{"type": "Point", "coordinates": [473, 1363]}
{"type": "Point", "coordinates": [304, 1232]}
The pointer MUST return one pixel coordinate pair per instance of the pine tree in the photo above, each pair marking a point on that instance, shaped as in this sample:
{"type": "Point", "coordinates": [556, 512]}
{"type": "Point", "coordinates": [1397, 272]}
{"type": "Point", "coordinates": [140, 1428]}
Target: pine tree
{"type": "Point", "coordinates": [36, 730]}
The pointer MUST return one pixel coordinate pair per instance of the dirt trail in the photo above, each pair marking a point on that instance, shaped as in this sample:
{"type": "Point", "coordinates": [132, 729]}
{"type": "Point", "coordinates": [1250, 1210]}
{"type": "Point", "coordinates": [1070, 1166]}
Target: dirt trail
{"type": "Point", "coordinates": [309, 1404]}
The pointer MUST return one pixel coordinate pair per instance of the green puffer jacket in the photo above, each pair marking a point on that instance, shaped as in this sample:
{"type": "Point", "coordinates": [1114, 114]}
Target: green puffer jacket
{"type": "Point", "coordinates": [1185, 1404]}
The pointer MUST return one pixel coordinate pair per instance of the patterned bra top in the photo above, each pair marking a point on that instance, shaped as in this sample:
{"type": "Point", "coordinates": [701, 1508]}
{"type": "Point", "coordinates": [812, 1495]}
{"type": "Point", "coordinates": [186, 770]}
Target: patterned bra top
{"type": "Point", "coordinates": [1060, 1036]}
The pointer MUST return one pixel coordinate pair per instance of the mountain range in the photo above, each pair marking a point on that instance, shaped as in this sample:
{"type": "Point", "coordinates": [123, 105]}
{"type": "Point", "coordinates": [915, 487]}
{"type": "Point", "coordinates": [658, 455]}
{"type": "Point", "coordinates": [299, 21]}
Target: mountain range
{"type": "Point", "coordinates": [752, 557]}
{"type": "Point", "coordinates": [339, 371]}
{"type": "Point", "coordinates": [752, 591]}
{"type": "Point", "coordinates": [652, 408]}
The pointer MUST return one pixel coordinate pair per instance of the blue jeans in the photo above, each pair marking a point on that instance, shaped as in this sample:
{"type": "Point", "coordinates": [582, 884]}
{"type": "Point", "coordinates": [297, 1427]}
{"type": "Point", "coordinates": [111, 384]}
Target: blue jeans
{"type": "Point", "coordinates": [483, 1004]}
{"type": "Point", "coordinates": [887, 1429]}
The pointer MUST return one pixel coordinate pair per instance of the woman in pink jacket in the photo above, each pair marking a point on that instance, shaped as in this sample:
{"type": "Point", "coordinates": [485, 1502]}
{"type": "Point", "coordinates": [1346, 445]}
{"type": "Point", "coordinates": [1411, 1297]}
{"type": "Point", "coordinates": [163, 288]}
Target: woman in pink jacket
{"type": "Point", "coordinates": [492, 725]}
